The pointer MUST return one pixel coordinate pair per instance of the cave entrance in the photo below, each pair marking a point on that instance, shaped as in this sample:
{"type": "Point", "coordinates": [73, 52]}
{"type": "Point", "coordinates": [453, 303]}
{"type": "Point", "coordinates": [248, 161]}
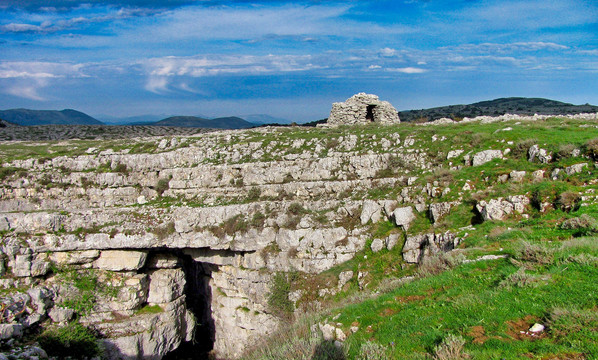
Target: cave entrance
{"type": "Point", "coordinates": [199, 302]}
{"type": "Point", "coordinates": [369, 116]}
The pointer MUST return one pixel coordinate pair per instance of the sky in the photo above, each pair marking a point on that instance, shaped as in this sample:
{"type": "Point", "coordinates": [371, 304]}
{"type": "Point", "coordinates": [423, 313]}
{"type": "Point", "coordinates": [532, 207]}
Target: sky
{"type": "Point", "coordinates": [291, 59]}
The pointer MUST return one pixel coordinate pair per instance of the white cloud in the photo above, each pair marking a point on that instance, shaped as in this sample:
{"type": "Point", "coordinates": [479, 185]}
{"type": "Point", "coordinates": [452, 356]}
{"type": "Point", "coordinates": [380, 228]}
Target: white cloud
{"type": "Point", "coordinates": [37, 69]}
{"type": "Point", "coordinates": [408, 70]}
{"type": "Point", "coordinates": [159, 70]}
{"type": "Point", "coordinates": [26, 79]}
{"type": "Point", "coordinates": [510, 47]}
{"type": "Point", "coordinates": [26, 88]}
{"type": "Point", "coordinates": [50, 23]}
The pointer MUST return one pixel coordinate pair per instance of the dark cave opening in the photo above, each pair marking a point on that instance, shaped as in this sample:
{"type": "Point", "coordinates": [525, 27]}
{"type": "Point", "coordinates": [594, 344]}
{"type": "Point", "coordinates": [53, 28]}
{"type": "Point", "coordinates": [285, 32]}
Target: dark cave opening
{"type": "Point", "coordinates": [199, 302]}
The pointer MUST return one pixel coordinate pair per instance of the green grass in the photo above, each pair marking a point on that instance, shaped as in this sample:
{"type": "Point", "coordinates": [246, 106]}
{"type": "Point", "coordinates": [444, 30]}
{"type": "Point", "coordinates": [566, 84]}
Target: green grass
{"type": "Point", "coordinates": [413, 319]}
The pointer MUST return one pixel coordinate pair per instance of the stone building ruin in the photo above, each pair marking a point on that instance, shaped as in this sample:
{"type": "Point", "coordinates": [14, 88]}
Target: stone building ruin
{"type": "Point", "coordinates": [363, 108]}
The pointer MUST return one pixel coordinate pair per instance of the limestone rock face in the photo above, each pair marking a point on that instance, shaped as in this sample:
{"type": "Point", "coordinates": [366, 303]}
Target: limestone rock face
{"type": "Point", "coordinates": [363, 108]}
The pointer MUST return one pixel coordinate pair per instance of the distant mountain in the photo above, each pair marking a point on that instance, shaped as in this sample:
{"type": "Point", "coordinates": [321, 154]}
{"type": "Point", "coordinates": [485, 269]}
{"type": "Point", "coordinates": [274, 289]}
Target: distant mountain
{"type": "Point", "coordinates": [512, 105]}
{"type": "Point", "coordinates": [28, 117]}
{"type": "Point", "coordinates": [231, 122]}
{"type": "Point", "coordinates": [131, 120]}
{"type": "Point", "coordinates": [261, 119]}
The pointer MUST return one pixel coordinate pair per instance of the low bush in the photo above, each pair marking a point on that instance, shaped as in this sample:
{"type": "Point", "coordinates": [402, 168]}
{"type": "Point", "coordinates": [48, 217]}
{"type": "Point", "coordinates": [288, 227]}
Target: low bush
{"type": "Point", "coordinates": [520, 279]}
{"type": "Point", "coordinates": [522, 147]}
{"type": "Point", "coordinates": [278, 297]}
{"type": "Point", "coordinates": [451, 348]}
{"type": "Point", "coordinates": [373, 351]}
{"type": "Point", "coordinates": [74, 340]}
{"type": "Point", "coordinates": [568, 201]}
{"type": "Point", "coordinates": [534, 253]}
{"type": "Point", "coordinates": [591, 149]}
{"type": "Point", "coordinates": [162, 186]}
{"type": "Point", "coordinates": [254, 194]}
{"type": "Point", "coordinates": [435, 264]}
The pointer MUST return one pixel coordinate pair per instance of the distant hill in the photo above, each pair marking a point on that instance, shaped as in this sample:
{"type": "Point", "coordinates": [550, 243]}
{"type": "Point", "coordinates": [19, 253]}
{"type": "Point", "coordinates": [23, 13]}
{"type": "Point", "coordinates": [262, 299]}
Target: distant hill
{"type": "Point", "coordinates": [231, 122]}
{"type": "Point", "coordinates": [512, 105]}
{"type": "Point", "coordinates": [131, 120]}
{"type": "Point", "coordinates": [262, 119]}
{"type": "Point", "coordinates": [28, 117]}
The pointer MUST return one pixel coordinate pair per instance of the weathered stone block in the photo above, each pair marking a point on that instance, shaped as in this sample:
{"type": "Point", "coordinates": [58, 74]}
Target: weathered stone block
{"type": "Point", "coordinates": [166, 285]}
{"type": "Point", "coordinates": [121, 260]}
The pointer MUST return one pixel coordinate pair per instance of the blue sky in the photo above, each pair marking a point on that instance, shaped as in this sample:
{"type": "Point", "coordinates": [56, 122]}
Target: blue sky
{"type": "Point", "coordinates": [291, 59]}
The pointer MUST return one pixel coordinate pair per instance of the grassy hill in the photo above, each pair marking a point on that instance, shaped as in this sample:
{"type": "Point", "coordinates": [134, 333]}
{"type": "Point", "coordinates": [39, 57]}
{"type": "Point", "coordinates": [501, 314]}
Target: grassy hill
{"type": "Point", "coordinates": [512, 105]}
{"type": "Point", "coordinates": [26, 117]}
{"type": "Point", "coordinates": [481, 300]}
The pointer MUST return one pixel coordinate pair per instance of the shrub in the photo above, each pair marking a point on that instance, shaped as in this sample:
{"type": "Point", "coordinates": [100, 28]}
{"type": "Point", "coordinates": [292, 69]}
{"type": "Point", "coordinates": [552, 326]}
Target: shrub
{"type": "Point", "coordinates": [435, 264]}
{"type": "Point", "coordinates": [568, 201]}
{"type": "Point", "coordinates": [278, 298]}
{"type": "Point", "coordinates": [296, 209]}
{"type": "Point", "coordinates": [163, 185]}
{"type": "Point", "coordinates": [451, 348]}
{"type": "Point", "coordinates": [258, 220]}
{"type": "Point", "coordinates": [234, 225]}
{"type": "Point", "coordinates": [372, 351]}
{"type": "Point", "coordinates": [121, 168]}
{"type": "Point", "coordinates": [585, 225]}
{"type": "Point", "coordinates": [74, 340]}
{"type": "Point", "coordinates": [522, 147]}
{"type": "Point", "coordinates": [327, 350]}
{"type": "Point", "coordinates": [591, 148]}
{"type": "Point", "coordinates": [565, 151]}
{"type": "Point", "coordinates": [163, 232]}
{"type": "Point", "coordinates": [254, 194]}
{"type": "Point", "coordinates": [534, 253]}
{"type": "Point", "coordinates": [519, 279]}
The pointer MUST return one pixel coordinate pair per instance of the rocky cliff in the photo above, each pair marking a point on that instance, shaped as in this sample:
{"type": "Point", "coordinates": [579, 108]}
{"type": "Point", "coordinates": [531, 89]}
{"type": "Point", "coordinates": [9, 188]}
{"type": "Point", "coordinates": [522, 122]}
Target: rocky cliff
{"type": "Point", "coordinates": [163, 244]}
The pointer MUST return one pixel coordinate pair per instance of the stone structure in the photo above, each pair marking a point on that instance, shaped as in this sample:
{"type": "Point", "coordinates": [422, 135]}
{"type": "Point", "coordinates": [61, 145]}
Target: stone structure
{"type": "Point", "coordinates": [363, 108]}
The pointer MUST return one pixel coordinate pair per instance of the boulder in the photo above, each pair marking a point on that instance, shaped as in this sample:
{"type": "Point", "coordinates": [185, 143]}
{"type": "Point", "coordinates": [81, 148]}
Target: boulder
{"type": "Point", "coordinates": [498, 209]}
{"type": "Point", "coordinates": [377, 245]}
{"type": "Point", "coordinates": [517, 176]}
{"type": "Point", "coordinates": [575, 169]}
{"type": "Point", "coordinates": [371, 211]}
{"type": "Point", "coordinates": [8, 331]}
{"type": "Point", "coordinates": [391, 241]}
{"type": "Point", "coordinates": [121, 260]}
{"type": "Point", "coordinates": [485, 156]}
{"type": "Point", "coordinates": [535, 153]}
{"type": "Point", "coordinates": [439, 210]}
{"type": "Point", "coordinates": [59, 314]}
{"type": "Point", "coordinates": [403, 217]}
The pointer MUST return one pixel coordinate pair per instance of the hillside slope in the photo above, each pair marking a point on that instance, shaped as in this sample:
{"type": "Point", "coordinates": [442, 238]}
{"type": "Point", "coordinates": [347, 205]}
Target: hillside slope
{"type": "Point", "coordinates": [512, 105]}
{"type": "Point", "coordinates": [396, 241]}
{"type": "Point", "coordinates": [26, 117]}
